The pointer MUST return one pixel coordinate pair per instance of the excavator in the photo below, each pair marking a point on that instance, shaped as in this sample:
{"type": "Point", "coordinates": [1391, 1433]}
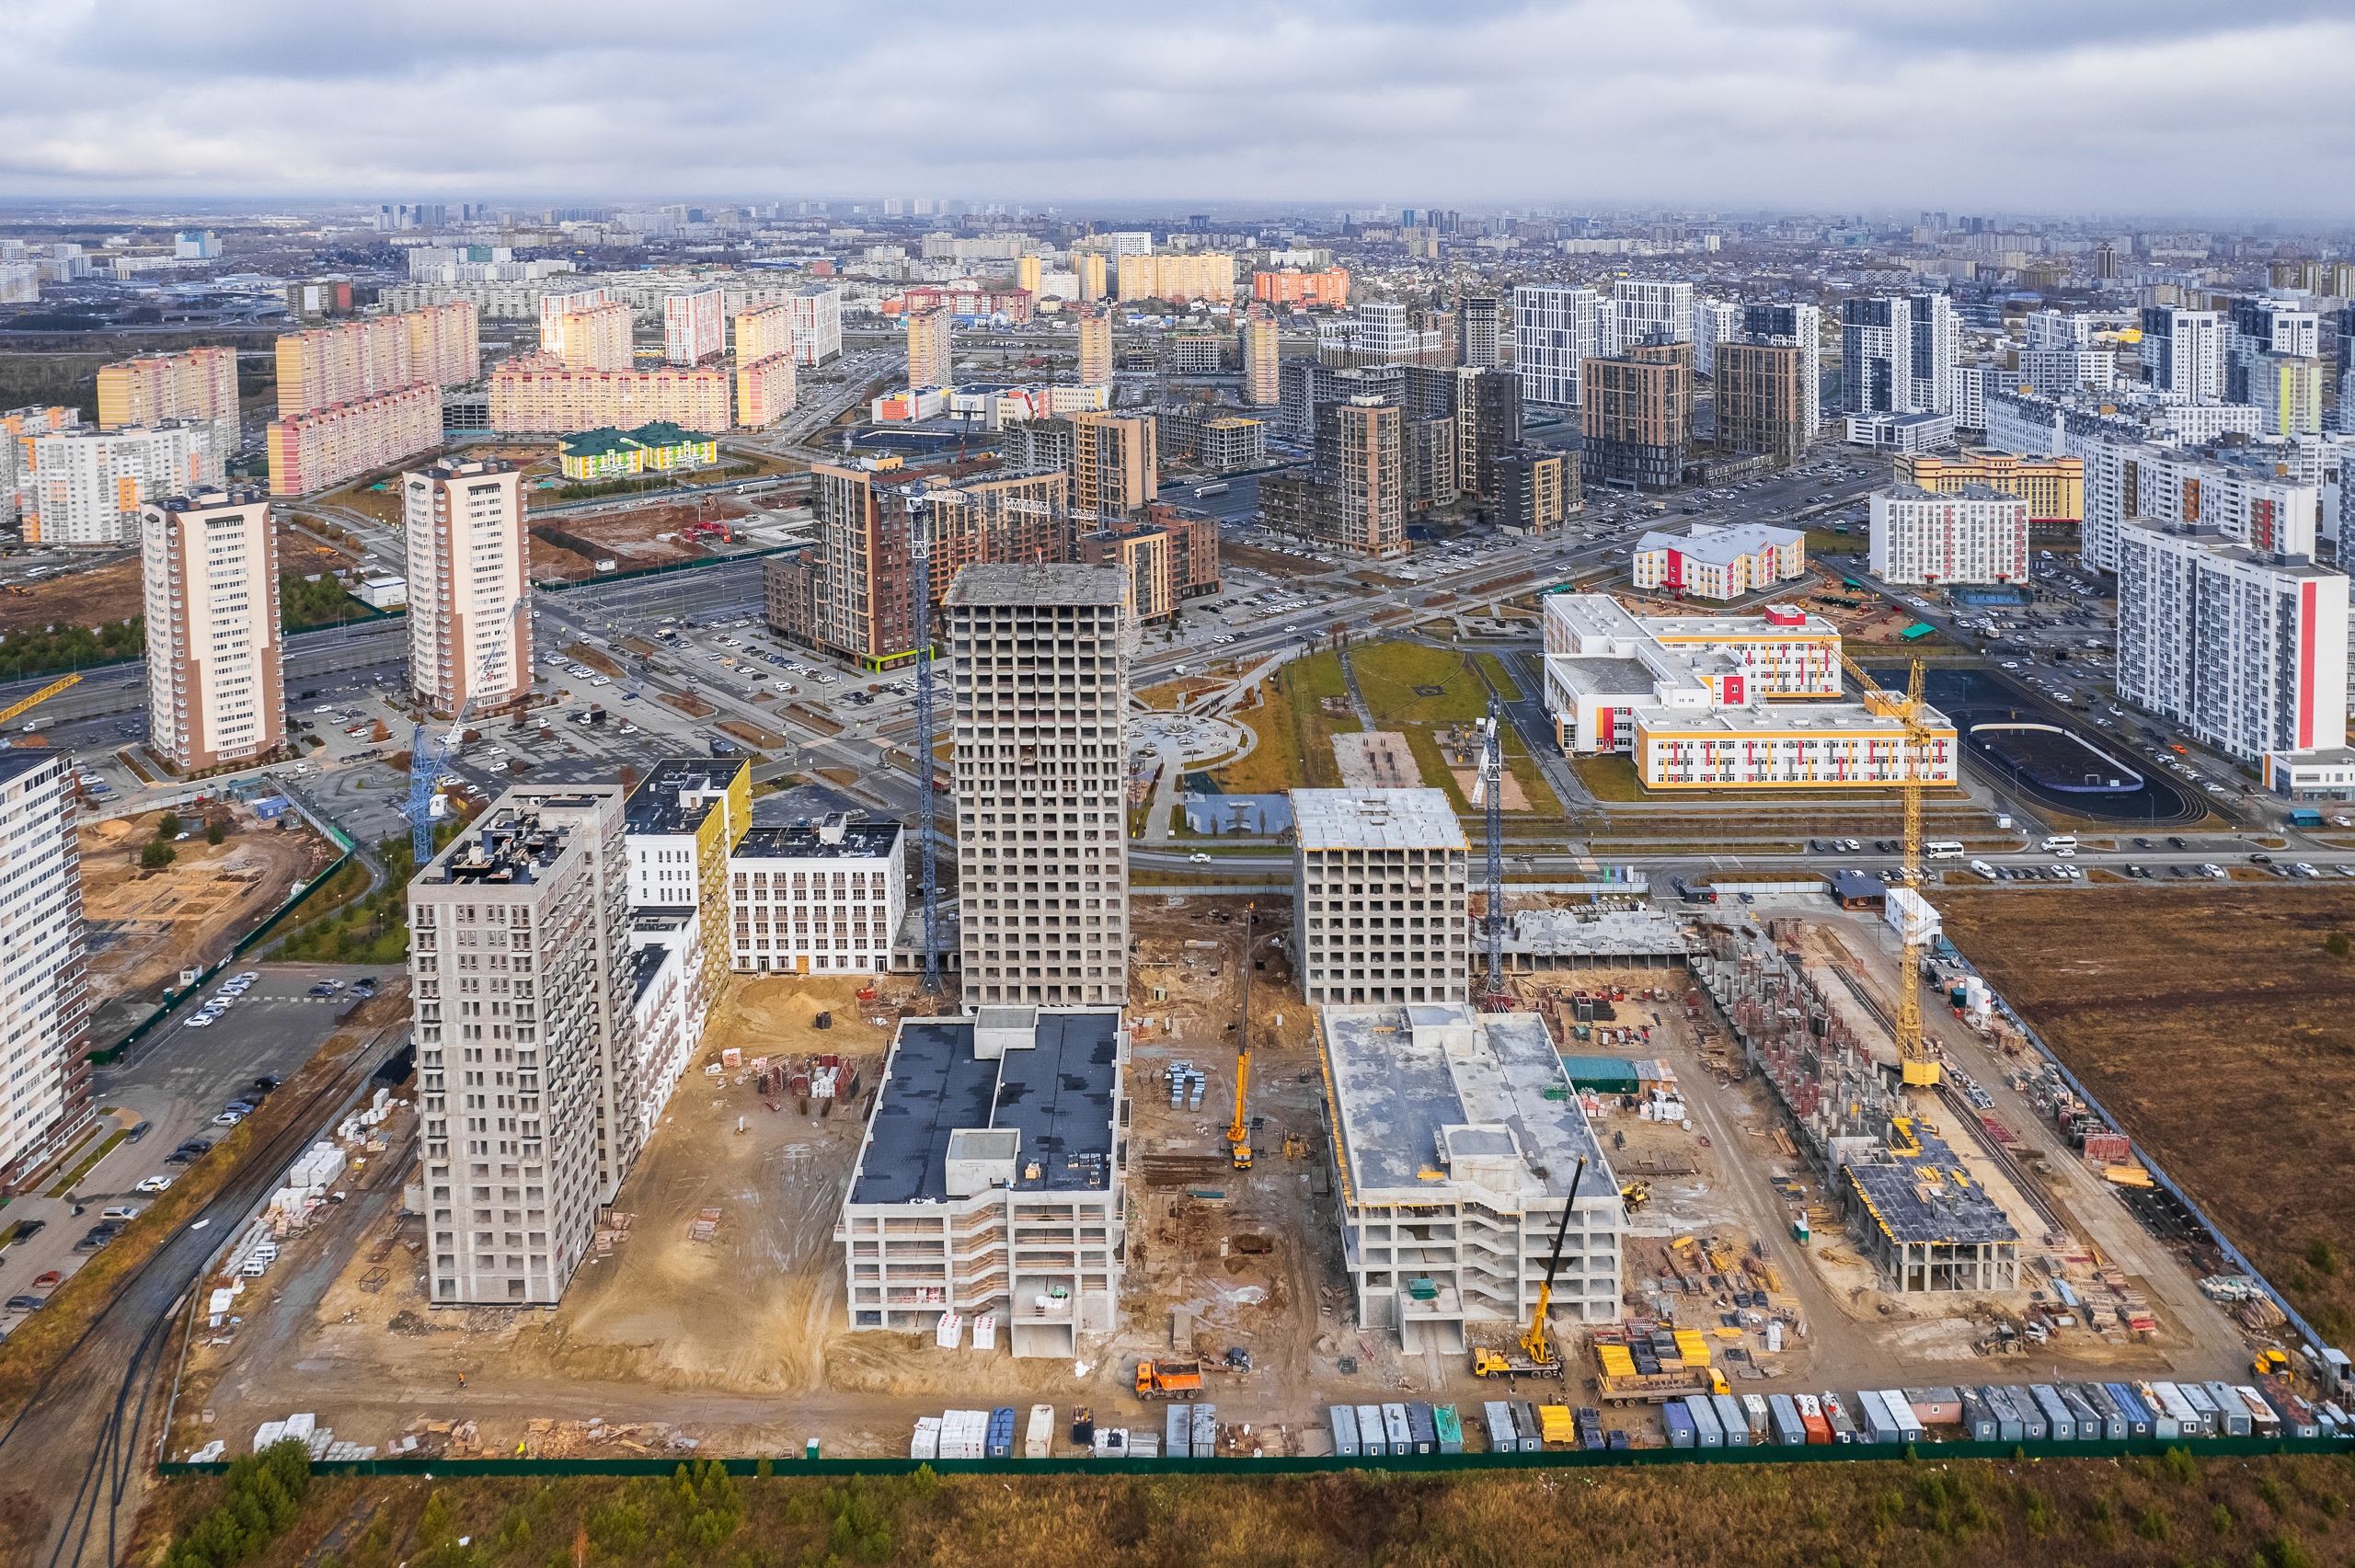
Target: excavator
{"type": "Point", "coordinates": [1238, 1132]}
{"type": "Point", "coordinates": [1537, 1358]}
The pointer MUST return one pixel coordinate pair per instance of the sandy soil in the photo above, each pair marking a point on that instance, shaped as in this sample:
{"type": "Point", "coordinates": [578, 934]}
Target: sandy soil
{"type": "Point", "coordinates": [112, 592]}
{"type": "Point", "coordinates": [145, 926]}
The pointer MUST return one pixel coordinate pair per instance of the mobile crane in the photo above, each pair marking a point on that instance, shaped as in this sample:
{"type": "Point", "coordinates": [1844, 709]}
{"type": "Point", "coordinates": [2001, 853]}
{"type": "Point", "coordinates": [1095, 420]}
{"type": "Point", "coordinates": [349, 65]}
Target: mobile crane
{"type": "Point", "coordinates": [1238, 1132]}
{"type": "Point", "coordinates": [1920, 1067]}
{"type": "Point", "coordinates": [1537, 1358]}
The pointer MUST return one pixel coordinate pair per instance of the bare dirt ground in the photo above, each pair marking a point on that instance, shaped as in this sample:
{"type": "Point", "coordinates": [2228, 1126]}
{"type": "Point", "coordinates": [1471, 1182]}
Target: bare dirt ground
{"type": "Point", "coordinates": [2215, 1025]}
{"type": "Point", "coordinates": [300, 553]}
{"type": "Point", "coordinates": [639, 532]}
{"type": "Point", "coordinates": [86, 597]}
{"type": "Point", "coordinates": [1274, 562]}
{"type": "Point", "coordinates": [145, 926]}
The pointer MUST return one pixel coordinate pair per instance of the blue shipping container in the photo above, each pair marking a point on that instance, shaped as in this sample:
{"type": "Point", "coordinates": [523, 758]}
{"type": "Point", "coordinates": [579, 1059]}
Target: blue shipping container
{"type": "Point", "coordinates": [1344, 1418]}
{"type": "Point", "coordinates": [1680, 1423]}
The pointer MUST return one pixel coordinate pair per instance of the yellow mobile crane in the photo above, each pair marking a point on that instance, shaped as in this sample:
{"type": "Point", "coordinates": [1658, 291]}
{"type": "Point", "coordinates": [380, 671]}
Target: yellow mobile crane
{"type": "Point", "coordinates": [1238, 1132]}
{"type": "Point", "coordinates": [1537, 1358]}
{"type": "Point", "coordinates": [1920, 1067]}
{"type": "Point", "coordinates": [44, 694]}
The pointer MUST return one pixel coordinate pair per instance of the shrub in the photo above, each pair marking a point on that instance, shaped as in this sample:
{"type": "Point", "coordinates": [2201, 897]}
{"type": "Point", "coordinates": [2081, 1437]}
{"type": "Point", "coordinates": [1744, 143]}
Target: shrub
{"type": "Point", "coordinates": [2321, 1257]}
{"type": "Point", "coordinates": [2180, 1466]}
{"type": "Point", "coordinates": [2152, 1524]}
{"type": "Point", "coordinates": [265, 1497]}
{"type": "Point", "coordinates": [2337, 945]}
{"type": "Point", "coordinates": [157, 855]}
{"type": "Point", "coordinates": [2219, 1519]}
{"type": "Point", "coordinates": [216, 833]}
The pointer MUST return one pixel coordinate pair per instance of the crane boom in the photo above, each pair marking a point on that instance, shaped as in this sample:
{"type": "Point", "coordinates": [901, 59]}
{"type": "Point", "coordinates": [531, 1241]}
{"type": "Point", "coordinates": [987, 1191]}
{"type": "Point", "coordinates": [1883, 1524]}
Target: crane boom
{"type": "Point", "coordinates": [1238, 1132]}
{"type": "Point", "coordinates": [1919, 1066]}
{"type": "Point", "coordinates": [1533, 1341]}
{"type": "Point", "coordinates": [40, 696]}
{"type": "Point", "coordinates": [1492, 796]}
{"type": "Point", "coordinates": [427, 756]}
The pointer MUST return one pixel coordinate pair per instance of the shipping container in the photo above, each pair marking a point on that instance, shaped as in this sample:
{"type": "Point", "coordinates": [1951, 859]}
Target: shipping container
{"type": "Point", "coordinates": [1706, 1433]}
{"type": "Point", "coordinates": [1732, 1416]}
{"type": "Point", "coordinates": [1343, 1419]}
{"type": "Point", "coordinates": [1532, 1425]}
{"type": "Point", "coordinates": [2263, 1421]}
{"type": "Point", "coordinates": [1397, 1430]}
{"type": "Point", "coordinates": [2090, 1427]}
{"type": "Point", "coordinates": [1421, 1430]}
{"type": "Point", "coordinates": [1810, 1411]}
{"type": "Point", "coordinates": [2060, 1425]}
{"type": "Point", "coordinates": [1783, 1422]}
{"type": "Point", "coordinates": [1873, 1412]}
{"type": "Point", "coordinates": [1374, 1433]}
{"type": "Point", "coordinates": [2163, 1421]}
{"type": "Point", "coordinates": [1979, 1424]}
{"type": "Point", "coordinates": [1754, 1411]}
{"type": "Point", "coordinates": [2209, 1417]}
{"type": "Point", "coordinates": [1039, 1443]}
{"type": "Point", "coordinates": [1679, 1424]}
{"type": "Point", "coordinates": [2232, 1415]}
{"type": "Point", "coordinates": [2113, 1420]}
{"type": "Point", "coordinates": [1938, 1406]}
{"type": "Point", "coordinates": [1502, 1439]}
{"type": "Point", "coordinates": [2188, 1420]}
{"type": "Point", "coordinates": [1001, 1444]}
{"type": "Point", "coordinates": [1901, 1412]}
{"type": "Point", "coordinates": [2035, 1426]}
{"type": "Point", "coordinates": [1450, 1428]}
{"type": "Point", "coordinates": [1177, 1432]}
{"type": "Point", "coordinates": [2137, 1416]}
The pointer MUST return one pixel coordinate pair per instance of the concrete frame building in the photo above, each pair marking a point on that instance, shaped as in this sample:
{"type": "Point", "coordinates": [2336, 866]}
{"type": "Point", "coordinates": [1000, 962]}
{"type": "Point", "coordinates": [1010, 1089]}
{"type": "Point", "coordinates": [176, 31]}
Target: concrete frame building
{"type": "Point", "coordinates": [1457, 1135]}
{"type": "Point", "coordinates": [2249, 503]}
{"type": "Point", "coordinates": [209, 562]}
{"type": "Point", "coordinates": [817, 323]}
{"type": "Point", "coordinates": [1381, 875]}
{"type": "Point", "coordinates": [2053, 488]}
{"type": "Point", "coordinates": [1480, 328]}
{"type": "Point", "coordinates": [1925, 1226]}
{"type": "Point", "coordinates": [1969, 534]}
{"type": "Point", "coordinates": [694, 325]}
{"type": "Point", "coordinates": [990, 1179]}
{"type": "Point", "coordinates": [525, 1026]}
{"type": "Point", "coordinates": [1537, 490]}
{"type": "Point", "coordinates": [540, 395]}
{"type": "Point", "coordinates": [1721, 561]}
{"type": "Point", "coordinates": [680, 828]}
{"type": "Point", "coordinates": [827, 897]}
{"type": "Point", "coordinates": [323, 447]}
{"type": "Point", "coordinates": [1761, 400]}
{"type": "Point", "coordinates": [469, 635]}
{"type": "Point", "coordinates": [1039, 661]}
{"type": "Point", "coordinates": [766, 390]}
{"type": "Point", "coordinates": [2183, 352]}
{"type": "Point", "coordinates": [1714, 322]}
{"type": "Point", "coordinates": [1651, 310]}
{"type": "Point", "coordinates": [1261, 349]}
{"type": "Point", "coordinates": [1094, 326]}
{"type": "Point", "coordinates": [1803, 326]}
{"type": "Point", "coordinates": [1635, 415]}
{"type": "Point", "coordinates": [2246, 648]}
{"type": "Point", "coordinates": [761, 330]}
{"type": "Point", "coordinates": [199, 384]}
{"type": "Point", "coordinates": [1555, 331]}
{"type": "Point", "coordinates": [45, 1097]}
{"type": "Point", "coordinates": [1116, 464]}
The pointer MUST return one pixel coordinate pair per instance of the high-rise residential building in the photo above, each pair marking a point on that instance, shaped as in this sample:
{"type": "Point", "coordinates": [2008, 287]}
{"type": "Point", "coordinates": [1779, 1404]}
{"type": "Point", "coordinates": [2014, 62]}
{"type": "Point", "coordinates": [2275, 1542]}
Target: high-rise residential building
{"type": "Point", "coordinates": [1651, 310]}
{"type": "Point", "coordinates": [328, 366]}
{"type": "Point", "coordinates": [596, 338]}
{"type": "Point", "coordinates": [2248, 503]}
{"type": "Point", "coordinates": [1262, 387]}
{"type": "Point", "coordinates": [1095, 325]}
{"type": "Point", "coordinates": [1537, 491]}
{"type": "Point", "coordinates": [199, 384]}
{"type": "Point", "coordinates": [762, 330]}
{"type": "Point", "coordinates": [560, 302]}
{"type": "Point", "coordinates": [1634, 416]}
{"type": "Point", "coordinates": [1291, 286]}
{"type": "Point", "coordinates": [824, 897]}
{"type": "Point", "coordinates": [469, 625]}
{"type": "Point", "coordinates": [2287, 390]}
{"type": "Point", "coordinates": [83, 488]}
{"type": "Point", "coordinates": [1877, 356]}
{"type": "Point", "coordinates": [1487, 425]}
{"type": "Point", "coordinates": [1177, 277]}
{"type": "Point", "coordinates": [1357, 456]}
{"type": "Point", "coordinates": [533, 1102]}
{"type": "Point", "coordinates": [1089, 265]}
{"type": "Point", "coordinates": [538, 394]}
{"type": "Point", "coordinates": [1042, 878]}
{"type": "Point", "coordinates": [1116, 466]}
{"type": "Point", "coordinates": [327, 446]}
{"type": "Point", "coordinates": [1714, 322]}
{"type": "Point", "coordinates": [2247, 649]}
{"type": "Point", "coordinates": [209, 565]}
{"type": "Point", "coordinates": [817, 315]}
{"type": "Point", "coordinates": [694, 325]}
{"type": "Point", "coordinates": [1968, 534]}
{"type": "Point", "coordinates": [1937, 337]}
{"type": "Point", "coordinates": [2264, 328]}
{"type": "Point", "coordinates": [1803, 326]}
{"type": "Point", "coordinates": [18, 429]}
{"type": "Point", "coordinates": [930, 355]}
{"type": "Point", "coordinates": [1762, 399]}
{"type": "Point", "coordinates": [1426, 464]}
{"type": "Point", "coordinates": [2183, 352]}
{"type": "Point", "coordinates": [766, 390]}
{"type": "Point", "coordinates": [1026, 273]}
{"type": "Point", "coordinates": [445, 343]}
{"type": "Point", "coordinates": [680, 826]}
{"type": "Point", "coordinates": [1480, 331]}
{"type": "Point", "coordinates": [45, 1097]}
{"type": "Point", "coordinates": [1399, 852]}
{"type": "Point", "coordinates": [2053, 488]}
{"type": "Point", "coordinates": [1555, 331]}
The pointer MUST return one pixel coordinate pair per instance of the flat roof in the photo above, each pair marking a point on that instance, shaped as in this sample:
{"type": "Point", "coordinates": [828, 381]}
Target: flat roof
{"type": "Point", "coordinates": [1664, 626]}
{"type": "Point", "coordinates": [1375, 819]}
{"type": "Point", "coordinates": [1809, 719]}
{"type": "Point", "coordinates": [1058, 1095]}
{"type": "Point", "coordinates": [857, 840]}
{"type": "Point", "coordinates": [1602, 676]}
{"type": "Point", "coordinates": [654, 806]}
{"type": "Point", "coordinates": [1402, 1077]}
{"type": "Point", "coordinates": [1927, 1196]}
{"type": "Point", "coordinates": [1040, 583]}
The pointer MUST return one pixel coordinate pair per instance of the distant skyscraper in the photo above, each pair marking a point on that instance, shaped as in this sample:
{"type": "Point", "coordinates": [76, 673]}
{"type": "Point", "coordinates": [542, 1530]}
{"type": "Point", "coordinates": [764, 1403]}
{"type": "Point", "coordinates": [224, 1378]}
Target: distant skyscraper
{"type": "Point", "coordinates": [929, 362]}
{"type": "Point", "coordinates": [1095, 347]}
{"type": "Point", "coordinates": [1480, 323]}
{"type": "Point", "coordinates": [1261, 386]}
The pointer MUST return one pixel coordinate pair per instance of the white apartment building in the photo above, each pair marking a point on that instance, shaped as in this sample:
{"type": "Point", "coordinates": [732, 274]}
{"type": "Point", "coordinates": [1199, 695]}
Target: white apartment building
{"type": "Point", "coordinates": [1382, 913]}
{"type": "Point", "coordinates": [1651, 310]}
{"type": "Point", "coordinates": [2171, 486]}
{"type": "Point", "coordinates": [1040, 662]}
{"type": "Point", "coordinates": [1975, 535]}
{"type": "Point", "coordinates": [1556, 330]}
{"type": "Point", "coordinates": [1967, 385]}
{"type": "Point", "coordinates": [1714, 322]}
{"type": "Point", "coordinates": [827, 897]}
{"type": "Point", "coordinates": [469, 625]}
{"type": "Point", "coordinates": [45, 1005]}
{"type": "Point", "coordinates": [817, 323]}
{"type": "Point", "coordinates": [2055, 371]}
{"type": "Point", "coordinates": [209, 567]}
{"type": "Point", "coordinates": [1898, 355]}
{"type": "Point", "coordinates": [534, 1105]}
{"type": "Point", "coordinates": [2183, 353]}
{"type": "Point", "coordinates": [695, 327]}
{"type": "Point", "coordinates": [86, 487]}
{"type": "Point", "coordinates": [2246, 648]}
{"type": "Point", "coordinates": [990, 1179]}
{"type": "Point", "coordinates": [1457, 1136]}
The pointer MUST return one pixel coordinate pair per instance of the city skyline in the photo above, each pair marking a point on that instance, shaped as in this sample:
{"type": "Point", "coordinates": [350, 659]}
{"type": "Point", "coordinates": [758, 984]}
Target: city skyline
{"type": "Point", "coordinates": [1791, 106]}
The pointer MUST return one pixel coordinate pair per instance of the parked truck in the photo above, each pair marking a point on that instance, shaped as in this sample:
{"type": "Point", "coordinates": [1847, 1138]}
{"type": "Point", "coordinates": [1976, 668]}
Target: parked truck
{"type": "Point", "coordinates": [1659, 1387]}
{"type": "Point", "coordinates": [1168, 1379]}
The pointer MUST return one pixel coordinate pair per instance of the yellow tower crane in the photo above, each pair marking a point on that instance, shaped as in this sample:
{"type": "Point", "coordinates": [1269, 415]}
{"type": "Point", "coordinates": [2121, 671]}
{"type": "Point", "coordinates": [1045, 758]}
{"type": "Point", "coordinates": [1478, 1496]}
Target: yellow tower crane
{"type": "Point", "coordinates": [1239, 1133]}
{"type": "Point", "coordinates": [1919, 1066]}
{"type": "Point", "coordinates": [40, 696]}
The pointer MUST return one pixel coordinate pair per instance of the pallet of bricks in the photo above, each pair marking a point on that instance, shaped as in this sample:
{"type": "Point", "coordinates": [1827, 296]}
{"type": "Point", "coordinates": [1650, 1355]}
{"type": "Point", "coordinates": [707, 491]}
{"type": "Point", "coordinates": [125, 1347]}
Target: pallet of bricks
{"type": "Point", "coordinates": [613, 1229]}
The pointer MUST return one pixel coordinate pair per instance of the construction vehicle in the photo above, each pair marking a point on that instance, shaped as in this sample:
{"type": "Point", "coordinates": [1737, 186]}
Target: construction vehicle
{"type": "Point", "coordinates": [1635, 1195]}
{"type": "Point", "coordinates": [1238, 1132]}
{"type": "Point", "coordinates": [1295, 1146]}
{"type": "Point", "coordinates": [1616, 1381]}
{"type": "Point", "coordinates": [40, 696]}
{"type": "Point", "coordinates": [1919, 1066]}
{"type": "Point", "coordinates": [1537, 1358]}
{"type": "Point", "coordinates": [1168, 1379]}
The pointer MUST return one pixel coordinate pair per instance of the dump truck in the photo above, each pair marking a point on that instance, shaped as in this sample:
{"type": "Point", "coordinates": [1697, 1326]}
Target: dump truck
{"type": "Point", "coordinates": [1168, 1379]}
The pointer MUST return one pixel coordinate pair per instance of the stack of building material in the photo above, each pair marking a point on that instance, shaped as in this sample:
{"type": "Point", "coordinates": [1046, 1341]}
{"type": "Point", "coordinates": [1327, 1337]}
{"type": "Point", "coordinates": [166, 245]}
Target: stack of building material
{"type": "Point", "coordinates": [706, 1223]}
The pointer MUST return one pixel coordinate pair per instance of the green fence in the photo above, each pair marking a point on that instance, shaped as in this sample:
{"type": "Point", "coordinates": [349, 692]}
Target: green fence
{"type": "Point", "coordinates": [1841, 1453]}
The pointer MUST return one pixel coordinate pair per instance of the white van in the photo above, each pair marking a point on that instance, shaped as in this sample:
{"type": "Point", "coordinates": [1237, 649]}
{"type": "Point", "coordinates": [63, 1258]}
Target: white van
{"type": "Point", "coordinates": [2061, 844]}
{"type": "Point", "coordinates": [1942, 849]}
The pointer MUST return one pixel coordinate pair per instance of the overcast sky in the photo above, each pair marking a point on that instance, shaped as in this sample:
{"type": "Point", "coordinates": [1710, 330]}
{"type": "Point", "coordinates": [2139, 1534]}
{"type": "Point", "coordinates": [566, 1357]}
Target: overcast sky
{"type": "Point", "coordinates": [2150, 106]}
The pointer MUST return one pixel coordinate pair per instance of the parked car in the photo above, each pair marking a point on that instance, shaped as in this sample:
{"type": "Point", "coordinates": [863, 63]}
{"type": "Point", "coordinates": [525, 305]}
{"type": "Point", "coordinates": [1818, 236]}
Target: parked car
{"type": "Point", "coordinates": [26, 1303]}
{"type": "Point", "coordinates": [152, 1184]}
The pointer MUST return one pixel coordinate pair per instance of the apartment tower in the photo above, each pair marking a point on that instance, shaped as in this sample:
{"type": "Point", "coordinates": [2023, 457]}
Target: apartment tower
{"type": "Point", "coordinates": [195, 383]}
{"type": "Point", "coordinates": [1040, 655]}
{"type": "Point", "coordinates": [45, 1010]}
{"type": "Point", "coordinates": [469, 632]}
{"type": "Point", "coordinates": [215, 693]}
{"type": "Point", "coordinates": [694, 326]}
{"type": "Point", "coordinates": [928, 350]}
{"type": "Point", "coordinates": [1115, 465]}
{"type": "Point", "coordinates": [1761, 403]}
{"type": "Point", "coordinates": [1262, 386]}
{"type": "Point", "coordinates": [1096, 348]}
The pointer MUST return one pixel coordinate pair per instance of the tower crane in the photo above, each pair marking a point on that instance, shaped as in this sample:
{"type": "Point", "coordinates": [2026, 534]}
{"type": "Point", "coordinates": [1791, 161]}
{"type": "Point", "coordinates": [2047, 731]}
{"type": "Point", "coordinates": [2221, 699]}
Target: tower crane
{"type": "Point", "coordinates": [920, 550]}
{"type": "Point", "coordinates": [427, 756]}
{"type": "Point", "coordinates": [1238, 1132]}
{"type": "Point", "coordinates": [44, 694]}
{"type": "Point", "coordinates": [1491, 792]}
{"type": "Point", "coordinates": [1919, 1066]}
